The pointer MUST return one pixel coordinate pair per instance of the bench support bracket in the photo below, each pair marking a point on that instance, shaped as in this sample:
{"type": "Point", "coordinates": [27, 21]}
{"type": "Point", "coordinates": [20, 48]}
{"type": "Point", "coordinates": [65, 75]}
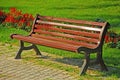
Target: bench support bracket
{"type": "Point", "coordinates": [22, 47]}
{"type": "Point", "coordinates": [85, 64]}
{"type": "Point", "coordinates": [100, 60]}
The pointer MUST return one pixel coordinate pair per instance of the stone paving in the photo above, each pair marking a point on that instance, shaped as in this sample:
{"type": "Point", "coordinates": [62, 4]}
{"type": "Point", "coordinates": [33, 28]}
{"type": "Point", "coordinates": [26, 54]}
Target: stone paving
{"type": "Point", "coordinates": [11, 69]}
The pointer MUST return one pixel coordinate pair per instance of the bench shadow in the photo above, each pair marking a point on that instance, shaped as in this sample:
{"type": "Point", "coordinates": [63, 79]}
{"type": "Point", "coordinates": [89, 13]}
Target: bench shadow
{"type": "Point", "coordinates": [78, 62]}
{"type": "Point", "coordinates": [113, 68]}
{"type": "Point", "coordinates": [70, 61]}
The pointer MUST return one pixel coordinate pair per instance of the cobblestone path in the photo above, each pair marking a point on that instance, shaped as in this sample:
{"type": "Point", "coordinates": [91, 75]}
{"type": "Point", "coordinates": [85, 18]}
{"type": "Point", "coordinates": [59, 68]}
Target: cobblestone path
{"type": "Point", "coordinates": [11, 69]}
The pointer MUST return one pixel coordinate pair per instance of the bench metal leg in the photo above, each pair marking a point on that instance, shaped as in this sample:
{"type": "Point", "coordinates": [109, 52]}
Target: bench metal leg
{"type": "Point", "coordinates": [22, 47]}
{"type": "Point", "coordinates": [36, 50]}
{"type": "Point", "coordinates": [85, 64]}
{"type": "Point", "coordinates": [100, 61]}
{"type": "Point", "coordinates": [18, 55]}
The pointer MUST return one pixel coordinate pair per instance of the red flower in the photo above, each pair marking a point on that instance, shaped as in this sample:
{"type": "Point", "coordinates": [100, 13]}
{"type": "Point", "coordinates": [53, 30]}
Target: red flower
{"type": "Point", "coordinates": [22, 20]}
{"type": "Point", "coordinates": [28, 23]}
{"type": "Point", "coordinates": [1, 13]}
{"type": "Point", "coordinates": [26, 15]}
{"type": "Point", "coordinates": [19, 13]}
{"type": "Point", "coordinates": [17, 18]}
{"type": "Point", "coordinates": [106, 39]}
{"type": "Point", "coordinates": [31, 17]}
{"type": "Point", "coordinates": [12, 10]}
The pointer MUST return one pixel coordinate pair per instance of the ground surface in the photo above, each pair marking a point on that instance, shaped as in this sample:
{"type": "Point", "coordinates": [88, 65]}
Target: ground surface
{"type": "Point", "coordinates": [11, 69]}
{"type": "Point", "coordinates": [47, 67]}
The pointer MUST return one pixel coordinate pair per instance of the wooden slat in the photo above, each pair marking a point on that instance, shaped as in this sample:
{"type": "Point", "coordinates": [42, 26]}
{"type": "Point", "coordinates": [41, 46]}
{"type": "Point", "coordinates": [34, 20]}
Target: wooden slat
{"type": "Point", "coordinates": [83, 33]}
{"type": "Point", "coordinates": [65, 41]}
{"type": "Point", "coordinates": [68, 25]}
{"type": "Point", "coordinates": [72, 21]}
{"type": "Point", "coordinates": [67, 36]}
{"type": "Point", "coordinates": [48, 43]}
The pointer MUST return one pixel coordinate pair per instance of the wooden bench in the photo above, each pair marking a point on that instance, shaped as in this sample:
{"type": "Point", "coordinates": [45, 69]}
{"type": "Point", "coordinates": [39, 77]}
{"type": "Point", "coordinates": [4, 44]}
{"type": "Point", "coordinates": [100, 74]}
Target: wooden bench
{"type": "Point", "coordinates": [66, 34]}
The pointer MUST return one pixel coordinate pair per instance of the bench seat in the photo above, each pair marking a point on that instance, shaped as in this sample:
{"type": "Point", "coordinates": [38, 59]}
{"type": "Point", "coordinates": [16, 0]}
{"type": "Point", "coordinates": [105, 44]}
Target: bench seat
{"type": "Point", "coordinates": [47, 42]}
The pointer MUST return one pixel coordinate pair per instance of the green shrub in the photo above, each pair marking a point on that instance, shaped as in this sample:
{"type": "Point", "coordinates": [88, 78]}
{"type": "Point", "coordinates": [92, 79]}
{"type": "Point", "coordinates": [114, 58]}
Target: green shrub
{"type": "Point", "coordinates": [118, 45]}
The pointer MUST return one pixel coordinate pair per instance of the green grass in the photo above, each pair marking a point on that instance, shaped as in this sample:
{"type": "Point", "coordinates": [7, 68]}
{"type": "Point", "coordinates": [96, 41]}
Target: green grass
{"type": "Point", "coordinates": [5, 33]}
{"type": "Point", "coordinates": [108, 10]}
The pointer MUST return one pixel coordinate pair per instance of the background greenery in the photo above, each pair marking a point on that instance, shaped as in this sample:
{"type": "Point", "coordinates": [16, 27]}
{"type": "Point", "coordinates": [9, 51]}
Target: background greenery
{"type": "Point", "coordinates": [108, 10]}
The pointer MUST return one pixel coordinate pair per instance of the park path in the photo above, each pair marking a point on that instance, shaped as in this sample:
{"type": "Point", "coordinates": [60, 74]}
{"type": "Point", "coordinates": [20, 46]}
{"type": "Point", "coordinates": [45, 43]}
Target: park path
{"type": "Point", "coordinates": [11, 69]}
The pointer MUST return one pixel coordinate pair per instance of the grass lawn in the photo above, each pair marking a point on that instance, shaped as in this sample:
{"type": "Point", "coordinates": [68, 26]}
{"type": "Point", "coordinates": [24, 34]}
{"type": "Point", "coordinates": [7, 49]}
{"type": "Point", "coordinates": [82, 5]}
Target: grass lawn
{"type": "Point", "coordinates": [108, 10]}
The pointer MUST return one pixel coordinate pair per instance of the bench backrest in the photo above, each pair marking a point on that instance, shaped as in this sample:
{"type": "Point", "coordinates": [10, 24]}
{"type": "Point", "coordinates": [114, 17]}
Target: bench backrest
{"type": "Point", "coordinates": [77, 32]}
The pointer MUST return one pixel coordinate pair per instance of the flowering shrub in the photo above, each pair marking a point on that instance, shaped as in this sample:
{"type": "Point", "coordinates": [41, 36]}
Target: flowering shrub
{"type": "Point", "coordinates": [113, 40]}
{"type": "Point", "coordinates": [118, 45]}
{"type": "Point", "coordinates": [111, 37]}
{"type": "Point", "coordinates": [16, 18]}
